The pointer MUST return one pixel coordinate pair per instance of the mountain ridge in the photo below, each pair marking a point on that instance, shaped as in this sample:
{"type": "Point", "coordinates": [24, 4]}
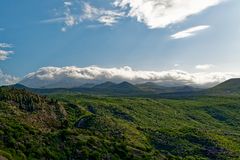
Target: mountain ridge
{"type": "Point", "coordinates": [122, 88]}
{"type": "Point", "coordinates": [228, 87]}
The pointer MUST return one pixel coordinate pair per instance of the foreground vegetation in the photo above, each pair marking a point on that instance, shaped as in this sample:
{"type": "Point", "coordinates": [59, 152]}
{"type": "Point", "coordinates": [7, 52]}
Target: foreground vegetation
{"type": "Point", "coordinates": [75, 126]}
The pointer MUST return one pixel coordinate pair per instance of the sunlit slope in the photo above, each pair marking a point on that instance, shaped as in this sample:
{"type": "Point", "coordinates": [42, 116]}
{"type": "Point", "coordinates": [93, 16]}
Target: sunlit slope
{"type": "Point", "coordinates": [75, 126]}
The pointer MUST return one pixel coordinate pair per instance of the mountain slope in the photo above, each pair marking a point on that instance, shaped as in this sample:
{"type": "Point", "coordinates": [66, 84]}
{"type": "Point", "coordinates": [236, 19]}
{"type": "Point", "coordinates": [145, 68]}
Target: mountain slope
{"type": "Point", "coordinates": [77, 126]}
{"type": "Point", "coordinates": [112, 89]}
{"type": "Point", "coordinates": [105, 85]}
{"type": "Point", "coordinates": [157, 89]}
{"type": "Point", "coordinates": [37, 127]}
{"type": "Point", "coordinates": [229, 87]}
{"type": "Point", "coordinates": [125, 87]}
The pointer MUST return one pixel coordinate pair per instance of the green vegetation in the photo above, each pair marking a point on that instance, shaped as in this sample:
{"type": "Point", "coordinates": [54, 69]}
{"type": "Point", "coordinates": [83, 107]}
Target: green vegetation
{"type": "Point", "coordinates": [78, 126]}
{"type": "Point", "coordinates": [230, 87]}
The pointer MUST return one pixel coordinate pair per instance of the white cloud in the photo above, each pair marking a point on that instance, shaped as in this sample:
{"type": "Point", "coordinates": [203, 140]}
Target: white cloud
{"type": "Point", "coordinates": [153, 13]}
{"type": "Point", "coordinates": [74, 76]}
{"type": "Point", "coordinates": [65, 15]}
{"type": "Point", "coordinates": [75, 12]}
{"type": "Point", "coordinates": [204, 66]}
{"type": "Point", "coordinates": [161, 13]}
{"type": "Point", "coordinates": [69, 18]}
{"type": "Point", "coordinates": [189, 32]}
{"type": "Point", "coordinates": [4, 52]}
{"type": "Point", "coordinates": [54, 20]}
{"type": "Point", "coordinates": [67, 3]}
{"type": "Point", "coordinates": [106, 17]}
{"type": "Point", "coordinates": [6, 79]}
{"type": "Point", "coordinates": [5, 45]}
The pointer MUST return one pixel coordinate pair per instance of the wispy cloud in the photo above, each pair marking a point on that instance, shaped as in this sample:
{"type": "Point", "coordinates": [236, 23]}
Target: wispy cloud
{"type": "Point", "coordinates": [65, 15]}
{"type": "Point", "coordinates": [4, 54]}
{"type": "Point", "coordinates": [204, 66]}
{"type": "Point", "coordinates": [5, 45]}
{"type": "Point", "coordinates": [106, 17]}
{"type": "Point", "coordinates": [6, 79]}
{"type": "Point", "coordinates": [1, 29]}
{"type": "Point", "coordinates": [72, 76]}
{"type": "Point", "coordinates": [67, 3]}
{"type": "Point", "coordinates": [189, 32]}
{"type": "Point", "coordinates": [76, 12]}
{"type": "Point", "coordinates": [153, 13]}
{"type": "Point", "coordinates": [54, 20]}
{"type": "Point", "coordinates": [4, 51]}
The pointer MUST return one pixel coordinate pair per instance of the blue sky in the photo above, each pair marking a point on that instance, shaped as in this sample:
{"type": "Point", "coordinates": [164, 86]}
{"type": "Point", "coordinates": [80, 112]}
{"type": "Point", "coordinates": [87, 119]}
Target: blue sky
{"type": "Point", "coordinates": [41, 35]}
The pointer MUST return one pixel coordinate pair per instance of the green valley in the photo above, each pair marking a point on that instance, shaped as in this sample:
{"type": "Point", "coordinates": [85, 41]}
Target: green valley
{"type": "Point", "coordinates": [81, 126]}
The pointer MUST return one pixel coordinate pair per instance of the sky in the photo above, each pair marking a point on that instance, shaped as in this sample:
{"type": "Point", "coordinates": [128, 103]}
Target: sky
{"type": "Point", "coordinates": [192, 36]}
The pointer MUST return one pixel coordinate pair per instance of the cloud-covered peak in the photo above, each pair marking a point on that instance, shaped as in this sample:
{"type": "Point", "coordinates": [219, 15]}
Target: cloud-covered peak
{"type": "Point", "coordinates": [71, 76]}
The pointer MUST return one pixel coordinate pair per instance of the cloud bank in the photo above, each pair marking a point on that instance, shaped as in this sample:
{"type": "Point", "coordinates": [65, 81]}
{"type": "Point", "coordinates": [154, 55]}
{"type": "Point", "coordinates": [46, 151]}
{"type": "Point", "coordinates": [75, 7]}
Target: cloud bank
{"type": "Point", "coordinates": [189, 32]}
{"type": "Point", "coordinates": [54, 77]}
{"type": "Point", "coordinates": [6, 79]}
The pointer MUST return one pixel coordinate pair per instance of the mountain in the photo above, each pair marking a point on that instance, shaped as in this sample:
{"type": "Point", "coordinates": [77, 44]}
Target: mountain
{"type": "Point", "coordinates": [87, 85]}
{"type": "Point", "coordinates": [88, 127]}
{"type": "Point", "coordinates": [60, 82]}
{"type": "Point", "coordinates": [157, 89]}
{"type": "Point", "coordinates": [149, 87]}
{"type": "Point", "coordinates": [19, 86]}
{"type": "Point", "coordinates": [229, 87]}
{"type": "Point", "coordinates": [120, 89]}
{"type": "Point", "coordinates": [125, 87]}
{"type": "Point", "coordinates": [110, 88]}
{"type": "Point", "coordinates": [105, 85]}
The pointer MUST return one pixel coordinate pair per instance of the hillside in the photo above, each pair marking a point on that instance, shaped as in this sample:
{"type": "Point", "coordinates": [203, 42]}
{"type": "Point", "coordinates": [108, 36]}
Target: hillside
{"type": "Point", "coordinates": [123, 88]}
{"type": "Point", "coordinates": [229, 87]}
{"type": "Point", "coordinates": [157, 89]}
{"type": "Point", "coordinates": [104, 85]}
{"type": "Point", "coordinates": [76, 126]}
